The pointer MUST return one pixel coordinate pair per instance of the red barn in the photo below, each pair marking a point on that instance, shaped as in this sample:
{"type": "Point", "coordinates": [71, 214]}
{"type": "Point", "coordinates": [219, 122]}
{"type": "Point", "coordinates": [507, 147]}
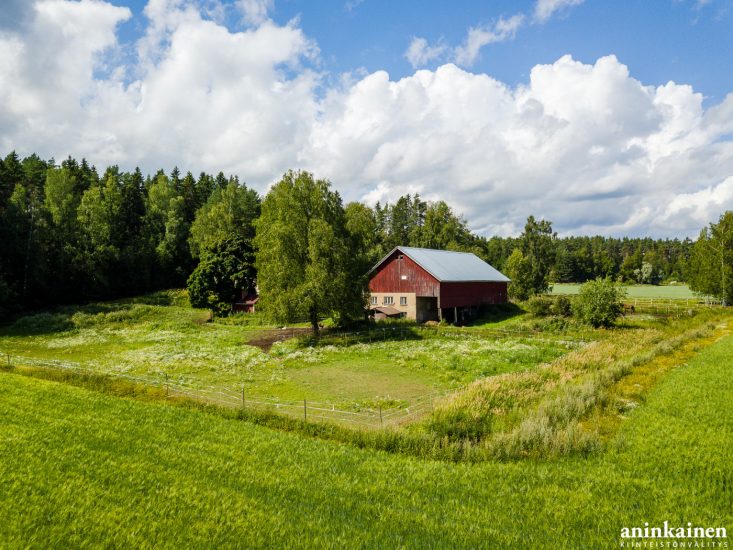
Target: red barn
{"type": "Point", "coordinates": [425, 285]}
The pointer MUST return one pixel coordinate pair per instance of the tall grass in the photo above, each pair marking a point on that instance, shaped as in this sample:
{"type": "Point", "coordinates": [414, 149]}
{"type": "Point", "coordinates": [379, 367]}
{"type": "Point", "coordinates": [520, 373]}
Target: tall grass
{"type": "Point", "coordinates": [520, 397]}
{"type": "Point", "coordinates": [541, 412]}
{"type": "Point", "coordinates": [83, 469]}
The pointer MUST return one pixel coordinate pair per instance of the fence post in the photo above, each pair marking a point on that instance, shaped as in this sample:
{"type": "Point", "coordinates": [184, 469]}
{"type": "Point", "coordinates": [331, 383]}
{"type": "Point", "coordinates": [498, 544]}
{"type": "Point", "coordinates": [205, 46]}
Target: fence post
{"type": "Point", "coordinates": [242, 395]}
{"type": "Point", "coordinates": [381, 422]}
{"type": "Point", "coordinates": [167, 389]}
{"type": "Point", "coordinates": [8, 359]}
{"type": "Point", "coordinates": [305, 410]}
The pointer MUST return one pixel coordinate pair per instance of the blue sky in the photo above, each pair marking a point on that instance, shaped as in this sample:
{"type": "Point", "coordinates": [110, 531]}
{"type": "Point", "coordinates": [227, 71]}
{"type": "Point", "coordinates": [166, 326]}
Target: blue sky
{"type": "Point", "coordinates": [659, 40]}
{"type": "Point", "coordinates": [611, 117]}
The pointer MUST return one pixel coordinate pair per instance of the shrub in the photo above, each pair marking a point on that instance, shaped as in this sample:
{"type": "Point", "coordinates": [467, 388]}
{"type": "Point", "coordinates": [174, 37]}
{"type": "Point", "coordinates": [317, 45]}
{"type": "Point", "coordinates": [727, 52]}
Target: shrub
{"type": "Point", "coordinates": [562, 306]}
{"type": "Point", "coordinates": [539, 306]}
{"type": "Point", "coordinates": [599, 303]}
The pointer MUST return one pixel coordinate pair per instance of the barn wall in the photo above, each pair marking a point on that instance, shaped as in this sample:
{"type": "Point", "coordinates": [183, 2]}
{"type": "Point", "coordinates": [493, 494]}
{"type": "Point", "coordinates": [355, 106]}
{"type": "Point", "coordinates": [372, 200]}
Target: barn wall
{"type": "Point", "coordinates": [409, 309]}
{"type": "Point", "coordinates": [395, 276]}
{"type": "Point", "coordinates": [472, 293]}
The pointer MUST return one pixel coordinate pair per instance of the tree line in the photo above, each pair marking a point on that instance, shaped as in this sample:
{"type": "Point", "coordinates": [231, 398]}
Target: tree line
{"type": "Point", "coordinates": [70, 234]}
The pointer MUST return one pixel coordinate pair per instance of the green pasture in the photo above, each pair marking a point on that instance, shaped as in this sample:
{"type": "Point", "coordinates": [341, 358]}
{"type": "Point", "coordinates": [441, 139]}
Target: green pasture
{"type": "Point", "coordinates": [162, 337]}
{"type": "Point", "coordinates": [676, 292]}
{"type": "Point", "coordinates": [82, 469]}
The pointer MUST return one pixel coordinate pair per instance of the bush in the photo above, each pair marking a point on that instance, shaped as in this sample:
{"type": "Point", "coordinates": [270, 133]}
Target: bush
{"type": "Point", "coordinates": [539, 306]}
{"type": "Point", "coordinates": [599, 303]}
{"type": "Point", "coordinates": [562, 306]}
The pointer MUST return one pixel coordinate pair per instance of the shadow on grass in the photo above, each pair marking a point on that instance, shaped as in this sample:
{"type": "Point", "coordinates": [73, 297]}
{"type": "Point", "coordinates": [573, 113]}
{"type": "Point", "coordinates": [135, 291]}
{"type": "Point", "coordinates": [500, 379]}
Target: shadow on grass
{"type": "Point", "coordinates": [496, 313]}
{"type": "Point", "coordinates": [70, 317]}
{"type": "Point", "coordinates": [367, 335]}
{"type": "Point", "coordinates": [60, 319]}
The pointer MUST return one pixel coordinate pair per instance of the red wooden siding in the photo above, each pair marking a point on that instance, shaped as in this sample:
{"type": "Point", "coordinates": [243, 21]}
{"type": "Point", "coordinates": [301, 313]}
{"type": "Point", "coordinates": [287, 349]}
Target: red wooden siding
{"type": "Point", "coordinates": [388, 277]}
{"type": "Point", "coordinates": [463, 294]}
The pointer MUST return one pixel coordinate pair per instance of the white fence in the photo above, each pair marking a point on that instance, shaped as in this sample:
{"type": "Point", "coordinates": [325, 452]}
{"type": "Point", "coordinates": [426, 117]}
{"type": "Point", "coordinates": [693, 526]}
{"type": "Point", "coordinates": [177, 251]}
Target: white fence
{"type": "Point", "coordinates": [306, 410]}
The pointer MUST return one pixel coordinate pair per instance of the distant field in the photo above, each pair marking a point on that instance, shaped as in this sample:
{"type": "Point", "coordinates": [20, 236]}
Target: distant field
{"type": "Point", "coordinates": [83, 469]}
{"type": "Point", "coordinates": [636, 291]}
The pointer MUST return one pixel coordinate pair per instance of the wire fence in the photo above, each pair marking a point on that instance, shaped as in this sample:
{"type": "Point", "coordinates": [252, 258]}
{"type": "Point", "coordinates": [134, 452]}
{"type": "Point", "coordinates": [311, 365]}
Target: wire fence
{"type": "Point", "coordinates": [307, 410]}
{"type": "Point", "coordinates": [672, 306]}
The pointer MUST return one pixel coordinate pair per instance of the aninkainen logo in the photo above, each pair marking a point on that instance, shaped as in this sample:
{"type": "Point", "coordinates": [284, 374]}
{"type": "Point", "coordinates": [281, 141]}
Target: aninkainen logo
{"type": "Point", "coordinates": [693, 537]}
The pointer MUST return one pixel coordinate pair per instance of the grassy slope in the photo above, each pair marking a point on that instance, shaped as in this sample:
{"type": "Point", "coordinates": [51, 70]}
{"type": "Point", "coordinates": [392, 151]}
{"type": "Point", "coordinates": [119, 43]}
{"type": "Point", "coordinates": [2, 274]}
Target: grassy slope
{"type": "Point", "coordinates": [636, 291]}
{"type": "Point", "coordinates": [152, 339]}
{"type": "Point", "coordinates": [80, 467]}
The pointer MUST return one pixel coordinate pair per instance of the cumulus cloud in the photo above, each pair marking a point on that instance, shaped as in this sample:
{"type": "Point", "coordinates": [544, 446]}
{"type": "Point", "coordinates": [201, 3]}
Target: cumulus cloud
{"type": "Point", "coordinates": [199, 96]}
{"type": "Point", "coordinates": [699, 205]}
{"type": "Point", "coordinates": [585, 145]}
{"type": "Point", "coordinates": [420, 53]}
{"type": "Point", "coordinates": [545, 9]}
{"type": "Point", "coordinates": [255, 12]}
{"type": "Point", "coordinates": [478, 37]}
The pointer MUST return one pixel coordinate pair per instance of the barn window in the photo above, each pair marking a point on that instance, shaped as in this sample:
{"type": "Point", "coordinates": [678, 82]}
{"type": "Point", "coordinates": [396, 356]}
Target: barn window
{"type": "Point", "coordinates": [374, 300]}
{"type": "Point", "coordinates": [388, 300]}
{"type": "Point", "coordinates": [403, 300]}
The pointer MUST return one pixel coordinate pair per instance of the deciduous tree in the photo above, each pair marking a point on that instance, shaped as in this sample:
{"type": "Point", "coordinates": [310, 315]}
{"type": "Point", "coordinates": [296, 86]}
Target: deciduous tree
{"type": "Point", "coordinates": [304, 264]}
{"type": "Point", "coordinates": [711, 261]}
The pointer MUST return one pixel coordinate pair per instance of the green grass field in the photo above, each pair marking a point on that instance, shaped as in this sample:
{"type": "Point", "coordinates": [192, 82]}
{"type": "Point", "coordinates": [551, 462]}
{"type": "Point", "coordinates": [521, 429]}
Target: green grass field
{"type": "Point", "coordinates": [81, 468]}
{"type": "Point", "coordinates": [677, 292]}
{"type": "Point", "coordinates": [153, 339]}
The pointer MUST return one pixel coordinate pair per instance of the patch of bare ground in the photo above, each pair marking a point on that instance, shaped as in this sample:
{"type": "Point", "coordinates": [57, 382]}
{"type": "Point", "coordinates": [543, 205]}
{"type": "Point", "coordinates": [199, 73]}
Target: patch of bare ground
{"type": "Point", "coordinates": [264, 339]}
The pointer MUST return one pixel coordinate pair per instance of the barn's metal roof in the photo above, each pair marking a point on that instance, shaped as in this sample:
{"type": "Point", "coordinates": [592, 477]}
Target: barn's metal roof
{"type": "Point", "coordinates": [450, 266]}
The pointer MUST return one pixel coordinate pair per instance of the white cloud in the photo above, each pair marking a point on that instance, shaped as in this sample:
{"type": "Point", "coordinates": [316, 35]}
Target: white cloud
{"type": "Point", "coordinates": [700, 205]}
{"type": "Point", "coordinates": [255, 12]}
{"type": "Point", "coordinates": [420, 53]}
{"type": "Point", "coordinates": [585, 145]}
{"type": "Point", "coordinates": [478, 37]}
{"type": "Point", "coordinates": [545, 9]}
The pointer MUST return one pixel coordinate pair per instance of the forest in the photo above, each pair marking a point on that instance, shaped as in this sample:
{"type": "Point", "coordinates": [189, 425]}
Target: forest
{"type": "Point", "coordinates": [71, 234]}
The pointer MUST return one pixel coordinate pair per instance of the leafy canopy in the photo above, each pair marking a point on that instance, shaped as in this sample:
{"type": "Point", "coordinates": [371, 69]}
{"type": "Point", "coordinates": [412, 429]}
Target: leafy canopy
{"type": "Point", "coordinates": [229, 212]}
{"type": "Point", "coordinates": [711, 262]}
{"type": "Point", "coordinates": [304, 259]}
{"type": "Point", "coordinates": [599, 303]}
{"type": "Point", "coordinates": [223, 274]}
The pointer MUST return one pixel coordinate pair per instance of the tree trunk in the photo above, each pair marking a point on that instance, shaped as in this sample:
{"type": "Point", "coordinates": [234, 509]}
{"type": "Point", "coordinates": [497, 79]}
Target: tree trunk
{"type": "Point", "coordinates": [314, 321]}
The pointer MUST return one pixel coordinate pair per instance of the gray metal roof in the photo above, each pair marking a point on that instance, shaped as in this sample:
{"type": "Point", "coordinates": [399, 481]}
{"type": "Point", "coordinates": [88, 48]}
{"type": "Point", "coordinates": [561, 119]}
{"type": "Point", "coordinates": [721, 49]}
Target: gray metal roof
{"type": "Point", "coordinates": [449, 266]}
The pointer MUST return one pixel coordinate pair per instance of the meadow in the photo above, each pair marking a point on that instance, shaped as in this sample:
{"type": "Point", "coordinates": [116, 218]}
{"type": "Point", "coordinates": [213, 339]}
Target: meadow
{"type": "Point", "coordinates": [83, 468]}
{"type": "Point", "coordinates": [510, 386]}
{"type": "Point", "coordinates": [161, 337]}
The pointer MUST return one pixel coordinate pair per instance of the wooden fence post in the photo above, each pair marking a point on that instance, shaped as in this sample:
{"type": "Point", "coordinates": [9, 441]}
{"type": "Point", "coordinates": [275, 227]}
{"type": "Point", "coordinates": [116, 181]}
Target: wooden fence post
{"type": "Point", "coordinates": [305, 410]}
{"type": "Point", "coordinates": [242, 395]}
{"type": "Point", "coordinates": [381, 422]}
{"type": "Point", "coordinates": [167, 389]}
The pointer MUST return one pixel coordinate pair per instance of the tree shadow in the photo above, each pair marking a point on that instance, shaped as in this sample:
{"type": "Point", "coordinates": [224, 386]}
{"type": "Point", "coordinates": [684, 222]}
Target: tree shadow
{"type": "Point", "coordinates": [61, 319]}
{"type": "Point", "coordinates": [496, 313]}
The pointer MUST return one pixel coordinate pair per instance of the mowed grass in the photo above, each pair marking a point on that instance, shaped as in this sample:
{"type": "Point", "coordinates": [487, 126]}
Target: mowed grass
{"type": "Point", "coordinates": [675, 292]}
{"type": "Point", "coordinates": [81, 468]}
{"type": "Point", "coordinates": [161, 337]}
